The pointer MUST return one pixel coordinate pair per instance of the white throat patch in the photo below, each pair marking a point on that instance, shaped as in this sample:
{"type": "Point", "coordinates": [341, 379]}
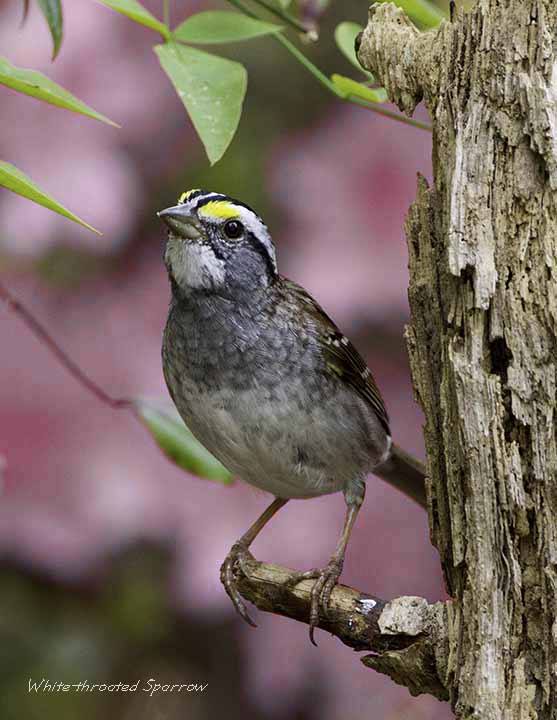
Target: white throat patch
{"type": "Point", "coordinates": [194, 265]}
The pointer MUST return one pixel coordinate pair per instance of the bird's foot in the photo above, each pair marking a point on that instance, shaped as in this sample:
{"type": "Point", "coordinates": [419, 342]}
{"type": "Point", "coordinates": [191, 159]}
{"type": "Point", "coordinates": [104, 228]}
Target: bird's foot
{"type": "Point", "coordinates": [238, 554]}
{"type": "Point", "coordinates": [325, 580]}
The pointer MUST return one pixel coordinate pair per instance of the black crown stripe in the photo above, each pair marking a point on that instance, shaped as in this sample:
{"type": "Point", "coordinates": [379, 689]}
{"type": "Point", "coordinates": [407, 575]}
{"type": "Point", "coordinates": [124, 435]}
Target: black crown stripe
{"type": "Point", "coordinates": [208, 197]}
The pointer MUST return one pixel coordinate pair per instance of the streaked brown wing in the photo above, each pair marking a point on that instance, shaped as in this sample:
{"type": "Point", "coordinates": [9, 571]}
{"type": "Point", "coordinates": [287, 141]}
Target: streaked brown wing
{"type": "Point", "coordinates": [342, 357]}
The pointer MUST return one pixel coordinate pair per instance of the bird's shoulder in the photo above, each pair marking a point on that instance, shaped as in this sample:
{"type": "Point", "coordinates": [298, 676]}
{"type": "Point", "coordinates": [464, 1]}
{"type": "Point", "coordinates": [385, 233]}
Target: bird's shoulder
{"type": "Point", "coordinates": [339, 354]}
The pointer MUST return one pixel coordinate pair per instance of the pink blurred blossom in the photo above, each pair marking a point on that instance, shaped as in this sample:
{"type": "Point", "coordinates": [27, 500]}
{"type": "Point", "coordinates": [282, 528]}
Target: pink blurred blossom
{"type": "Point", "coordinates": [80, 479]}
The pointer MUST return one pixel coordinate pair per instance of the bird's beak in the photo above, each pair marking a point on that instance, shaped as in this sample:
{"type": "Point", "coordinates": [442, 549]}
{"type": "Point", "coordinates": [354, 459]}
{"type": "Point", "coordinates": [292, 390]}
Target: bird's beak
{"type": "Point", "coordinates": [181, 222]}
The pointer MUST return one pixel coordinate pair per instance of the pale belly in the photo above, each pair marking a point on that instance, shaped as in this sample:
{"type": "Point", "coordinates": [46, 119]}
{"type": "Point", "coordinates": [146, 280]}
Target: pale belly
{"type": "Point", "coordinates": [273, 445]}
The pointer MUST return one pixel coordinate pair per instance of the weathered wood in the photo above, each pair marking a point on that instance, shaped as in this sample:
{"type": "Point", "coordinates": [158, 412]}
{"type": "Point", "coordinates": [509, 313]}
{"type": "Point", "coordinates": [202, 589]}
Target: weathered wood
{"type": "Point", "coordinates": [405, 635]}
{"type": "Point", "coordinates": [482, 341]}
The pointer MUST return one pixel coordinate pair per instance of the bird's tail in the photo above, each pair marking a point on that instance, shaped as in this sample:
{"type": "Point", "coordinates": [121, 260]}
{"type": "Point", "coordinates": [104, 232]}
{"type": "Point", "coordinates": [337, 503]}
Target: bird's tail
{"type": "Point", "coordinates": [405, 473]}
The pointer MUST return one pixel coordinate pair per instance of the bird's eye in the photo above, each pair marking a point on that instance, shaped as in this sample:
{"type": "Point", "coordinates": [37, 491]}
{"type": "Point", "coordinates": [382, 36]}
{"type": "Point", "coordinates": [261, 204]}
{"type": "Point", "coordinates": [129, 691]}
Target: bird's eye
{"type": "Point", "coordinates": [233, 229]}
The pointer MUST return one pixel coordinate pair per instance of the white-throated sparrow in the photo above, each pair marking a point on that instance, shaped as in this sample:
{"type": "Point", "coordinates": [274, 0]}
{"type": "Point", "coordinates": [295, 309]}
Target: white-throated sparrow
{"type": "Point", "coordinates": [266, 381]}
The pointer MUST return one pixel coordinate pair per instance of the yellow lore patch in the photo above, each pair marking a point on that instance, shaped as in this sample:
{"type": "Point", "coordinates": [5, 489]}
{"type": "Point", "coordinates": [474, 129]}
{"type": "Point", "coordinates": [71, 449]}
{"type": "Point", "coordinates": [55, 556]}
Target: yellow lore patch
{"type": "Point", "coordinates": [219, 209]}
{"type": "Point", "coordinates": [185, 195]}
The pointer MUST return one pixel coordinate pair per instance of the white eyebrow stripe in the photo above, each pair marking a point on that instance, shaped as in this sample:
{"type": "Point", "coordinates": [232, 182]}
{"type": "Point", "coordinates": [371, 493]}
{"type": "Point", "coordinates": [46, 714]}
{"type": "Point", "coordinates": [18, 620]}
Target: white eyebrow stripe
{"type": "Point", "coordinates": [248, 218]}
{"type": "Point", "coordinates": [252, 222]}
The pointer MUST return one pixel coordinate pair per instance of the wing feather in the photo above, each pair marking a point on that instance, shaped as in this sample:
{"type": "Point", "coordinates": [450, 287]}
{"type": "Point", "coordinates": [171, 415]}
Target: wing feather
{"type": "Point", "coordinates": [342, 357]}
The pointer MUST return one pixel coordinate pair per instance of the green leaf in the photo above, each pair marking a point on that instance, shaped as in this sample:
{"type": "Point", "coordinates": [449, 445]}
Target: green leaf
{"type": "Point", "coordinates": [421, 11]}
{"type": "Point", "coordinates": [179, 444]}
{"type": "Point", "coordinates": [136, 12]}
{"type": "Point", "coordinates": [52, 10]}
{"type": "Point", "coordinates": [16, 181]}
{"type": "Point", "coordinates": [350, 87]}
{"type": "Point", "coordinates": [212, 89]}
{"type": "Point", "coordinates": [219, 26]}
{"type": "Point", "coordinates": [39, 86]}
{"type": "Point", "coordinates": [345, 37]}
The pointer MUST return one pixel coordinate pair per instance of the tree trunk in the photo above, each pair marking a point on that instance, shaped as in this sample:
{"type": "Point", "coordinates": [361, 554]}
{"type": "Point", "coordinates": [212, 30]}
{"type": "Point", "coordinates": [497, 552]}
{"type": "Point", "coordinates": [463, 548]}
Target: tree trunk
{"type": "Point", "coordinates": [482, 342]}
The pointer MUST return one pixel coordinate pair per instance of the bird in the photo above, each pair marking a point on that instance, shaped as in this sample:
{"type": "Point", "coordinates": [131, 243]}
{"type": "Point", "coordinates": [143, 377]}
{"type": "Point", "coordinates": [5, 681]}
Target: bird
{"type": "Point", "coordinates": [266, 381]}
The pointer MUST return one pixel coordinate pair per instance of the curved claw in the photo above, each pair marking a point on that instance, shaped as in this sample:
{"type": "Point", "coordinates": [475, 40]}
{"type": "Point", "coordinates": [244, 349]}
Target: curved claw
{"type": "Point", "coordinates": [325, 580]}
{"type": "Point", "coordinates": [239, 553]}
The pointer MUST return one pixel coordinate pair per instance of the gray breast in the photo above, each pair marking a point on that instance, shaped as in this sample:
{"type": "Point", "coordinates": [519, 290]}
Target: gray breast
{"type": "Point", "coordinates": [250, 387]}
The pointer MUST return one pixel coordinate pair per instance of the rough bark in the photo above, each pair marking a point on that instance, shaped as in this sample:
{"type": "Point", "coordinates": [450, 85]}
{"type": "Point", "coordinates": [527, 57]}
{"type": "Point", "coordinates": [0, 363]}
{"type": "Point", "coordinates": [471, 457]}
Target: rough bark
{"type": "Point", "coordinates": [482, 340]}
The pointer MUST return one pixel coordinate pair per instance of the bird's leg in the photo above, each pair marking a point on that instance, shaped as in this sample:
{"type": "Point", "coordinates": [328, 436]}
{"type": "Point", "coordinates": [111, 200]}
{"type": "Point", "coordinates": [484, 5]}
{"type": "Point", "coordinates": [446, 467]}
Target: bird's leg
{"type": "Point", "coordinates": [239, 553]}
{"type": "Point", "coordinates": [326, 578]}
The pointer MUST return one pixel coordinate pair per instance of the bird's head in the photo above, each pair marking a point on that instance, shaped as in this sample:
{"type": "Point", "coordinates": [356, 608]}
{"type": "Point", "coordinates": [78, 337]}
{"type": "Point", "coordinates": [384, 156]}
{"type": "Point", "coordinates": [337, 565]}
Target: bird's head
{"type": "Point", "coordinates": [217, 244]}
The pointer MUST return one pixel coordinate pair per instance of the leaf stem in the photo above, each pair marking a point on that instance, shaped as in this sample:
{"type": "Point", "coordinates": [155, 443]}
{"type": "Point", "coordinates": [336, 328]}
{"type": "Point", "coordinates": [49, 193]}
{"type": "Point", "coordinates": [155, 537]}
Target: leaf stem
{"type": "Point", "coordinates": [75, 371]}
{"type": "Point", "coordinates": [306, 62]}
{"type": "Point", "coordinates": [380, 110]}
{"type": "Point", "coordinates": [166, 13]}
{"type": "Point", "coordinates": [324, 80]}
{"type": "Point", "coordinates": [285, 42]}
{"type": "Point", "coordinates": [284, 16]}
{"type": "Point", "coordinates": [242, 8]}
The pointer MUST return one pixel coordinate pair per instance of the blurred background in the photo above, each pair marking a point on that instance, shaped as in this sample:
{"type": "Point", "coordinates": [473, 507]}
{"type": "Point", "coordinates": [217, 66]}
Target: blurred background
{"type": "Point", "coordinates": [109, 554]}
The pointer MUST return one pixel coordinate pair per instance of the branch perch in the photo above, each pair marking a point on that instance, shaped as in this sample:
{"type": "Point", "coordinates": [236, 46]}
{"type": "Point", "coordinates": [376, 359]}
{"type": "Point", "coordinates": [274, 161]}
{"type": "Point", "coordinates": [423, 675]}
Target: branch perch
{"type": "Point", "coordinates": [405, 636]}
